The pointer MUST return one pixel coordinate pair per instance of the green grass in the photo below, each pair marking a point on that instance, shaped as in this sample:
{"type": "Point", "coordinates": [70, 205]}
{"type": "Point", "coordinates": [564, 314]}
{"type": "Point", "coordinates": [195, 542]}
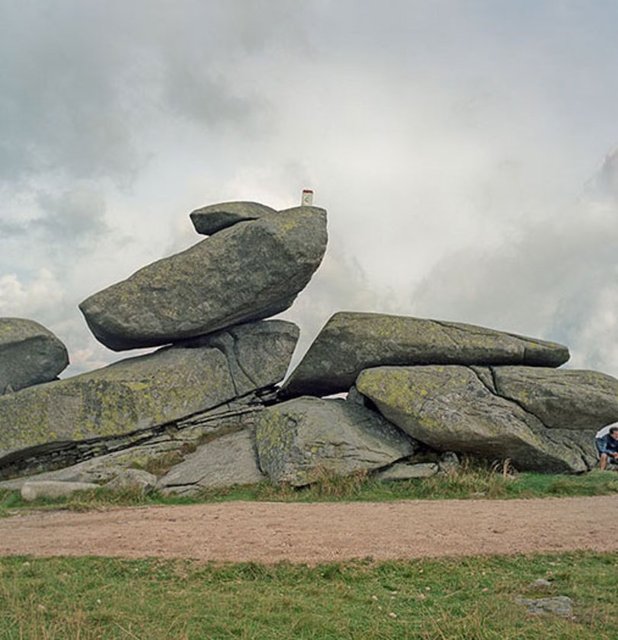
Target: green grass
{"type": "Point", "coordinates": [470, 481]}
{"type": "Point", "coordinates": [467, 599]}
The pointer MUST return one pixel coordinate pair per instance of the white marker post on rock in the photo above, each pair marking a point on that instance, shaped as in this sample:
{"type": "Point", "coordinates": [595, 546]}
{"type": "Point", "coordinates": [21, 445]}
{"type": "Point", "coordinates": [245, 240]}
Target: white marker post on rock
{"type": "Point", "coordinates": [307, 198]}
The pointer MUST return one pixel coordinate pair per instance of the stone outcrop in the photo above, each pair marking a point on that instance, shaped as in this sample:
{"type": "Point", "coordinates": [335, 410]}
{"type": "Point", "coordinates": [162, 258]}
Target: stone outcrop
{"type": "Point", "coordinates": [139, 393]}
{"type": "Point", "coordinates": [29, 354]}
{"type": "Point", "coordinates": [527, 414]}
{"type": "Point", "coordinates": [246, 272]}
{"type": "Point", "coordinates": [216, 217]}
{"type": "Point", "coordinates": [351, 342]}
{"type": "Point", "coordinates": [205, 411]}
{"type": "Point", "coordinates": [301, 439]}
{"type": "Point", "coordinates": [223, 462]}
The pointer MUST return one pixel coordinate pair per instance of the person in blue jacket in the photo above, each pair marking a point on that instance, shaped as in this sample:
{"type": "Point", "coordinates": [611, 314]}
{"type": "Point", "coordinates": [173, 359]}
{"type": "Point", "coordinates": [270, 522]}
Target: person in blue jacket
{"type": "Point", "coordinates": [608, 447]}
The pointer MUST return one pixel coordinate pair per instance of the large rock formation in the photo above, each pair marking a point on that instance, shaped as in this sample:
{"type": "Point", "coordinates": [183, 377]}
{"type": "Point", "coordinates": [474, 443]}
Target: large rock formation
{"type": "Point", "coordinates": [138, 393]}
{"type": "Point", "coordinates": [542, 419]}
{"type": "Point", "coordinates": [249, 271]}
{"type": "Point", "coordinates": [216, 217]}
{"type": "Point", "coordinates": [301, 439]}
{"type": "Point", "coordinates": [29, 354]}
{"type": "Point", "coordinates": [351, 342]}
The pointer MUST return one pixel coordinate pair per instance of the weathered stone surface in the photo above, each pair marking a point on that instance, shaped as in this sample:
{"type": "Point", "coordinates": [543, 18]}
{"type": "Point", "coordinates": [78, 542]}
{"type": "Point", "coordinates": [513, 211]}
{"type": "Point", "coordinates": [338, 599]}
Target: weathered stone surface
{"type": "Point", "coordinates": [558, 605]}
{"type": "Point", "coordinates": [461, 409]}
{"type": "Point", "coordinates": [565, 399]}
{"type": "Point", "coordinates": [29, 354]}
{"type": "Point", "coordinates": [408, 471]}
{"type": "Point", "coordinates": [104, 468]}
{"type": "Point", "coordinates": [158, 448]}
{"type": "Point", "coordinates": [31, 491]}
{"type": "Point", "coordinates": [216, 217]}
{"type": "Point", "coordinates": [300, 439]}
{"type": "Point", "coordinates": [351, 342]}
{"type": "Point", "coordinates": [133, 479]}
{"type": "Point", "coordinates": [247, 272]}
{"type": "Point", "coordinates": [224, 462]}
{"type": "Point", "coordinates": [139, 393]}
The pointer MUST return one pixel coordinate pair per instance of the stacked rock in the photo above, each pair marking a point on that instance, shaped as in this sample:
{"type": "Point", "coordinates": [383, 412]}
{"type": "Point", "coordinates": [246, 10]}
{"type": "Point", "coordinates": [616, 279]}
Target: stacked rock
{"type": "Point", "coordinates": [206, 307]}
{"type": "Point", "coordinates": [29, 354]}
{"type": "Point", "coordinates": [456, 387]}
{"type": "Point", "coordinates": [204, 410]}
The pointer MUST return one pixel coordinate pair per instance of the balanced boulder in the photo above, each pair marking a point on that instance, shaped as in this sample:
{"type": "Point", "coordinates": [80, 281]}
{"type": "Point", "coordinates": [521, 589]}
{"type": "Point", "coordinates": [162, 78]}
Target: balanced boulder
{"type": "Point", "coordinates": [301, 439]}
{"type": "Point", "coordinates": [29, 354]}
{"type": "Point", "coordinates": [351, 342]}
{"type": "Point", "coordinates": [249, 271]}
{"type": "Point", "coordinates": [139, 393]}
{"type": "Point", "coordinates": [216, 217]}
{"type": "Point", "coordinates": [526, 414]}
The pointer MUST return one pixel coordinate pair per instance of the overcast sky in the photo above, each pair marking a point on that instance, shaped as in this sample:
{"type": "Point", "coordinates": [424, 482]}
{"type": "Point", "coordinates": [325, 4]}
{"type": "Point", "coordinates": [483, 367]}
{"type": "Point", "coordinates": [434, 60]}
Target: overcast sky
{"type": "Point", "coordinates": [463, 150]}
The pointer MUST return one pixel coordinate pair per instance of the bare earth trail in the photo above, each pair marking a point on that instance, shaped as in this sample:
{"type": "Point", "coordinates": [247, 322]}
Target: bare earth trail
{"type": "Point", "coordinates": [322, 532]}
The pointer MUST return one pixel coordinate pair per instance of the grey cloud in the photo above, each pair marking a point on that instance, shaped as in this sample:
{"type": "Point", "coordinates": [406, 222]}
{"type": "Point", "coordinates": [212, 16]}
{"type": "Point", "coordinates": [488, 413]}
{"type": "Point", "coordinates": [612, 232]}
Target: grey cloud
{"type": "Point", "coordinates": [555, 279]}
{"type": "Point", "coordinates": [81, 82]}
{"type": "Point", "coordinates": [74, 216]}
{"type": "Point", "coordinates": [12, 229]}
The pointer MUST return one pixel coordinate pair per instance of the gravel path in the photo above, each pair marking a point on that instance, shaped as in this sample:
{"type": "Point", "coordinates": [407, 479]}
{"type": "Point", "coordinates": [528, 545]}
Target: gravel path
{"type": "Point", "coordinates": [312, 533]}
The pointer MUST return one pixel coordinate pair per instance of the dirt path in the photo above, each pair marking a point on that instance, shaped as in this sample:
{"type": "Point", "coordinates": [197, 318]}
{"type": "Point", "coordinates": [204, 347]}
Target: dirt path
{"type": "Point", "coordinates": [270, 532]}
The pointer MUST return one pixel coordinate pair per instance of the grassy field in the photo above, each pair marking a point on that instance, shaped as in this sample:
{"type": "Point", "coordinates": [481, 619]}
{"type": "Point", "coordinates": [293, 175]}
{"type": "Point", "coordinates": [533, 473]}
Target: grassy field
{"type": "Point", "coordinates": [468, 482]}
{"type": "Point", "coordinates": [468, 599]}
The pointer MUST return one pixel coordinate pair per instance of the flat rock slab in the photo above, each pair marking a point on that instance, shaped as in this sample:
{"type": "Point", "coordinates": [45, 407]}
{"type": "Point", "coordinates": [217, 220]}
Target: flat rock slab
{"type": "Point", "coordinates": [32, 491]}
{"type": "Point", "coordinates": [224, 462]}
{"type": "Point", "coordinates": [466, 409]}
{"type": "Point", "coordinates": [216, 217]}
{"type": "Point", "coordinates": [300, 440]}
{"type": "Point", "coordinates": [247, 272]}
{"type": "Point", "coordinates": [29, 354]}
{"type": "Point", "coordinates": [351, 342]}
{"type": "Point", "coordinates": [315, 533]}
{"type": "Point", "coordinates": [407, 471]}
{"type": "Point", "coordinates": [139, 393]}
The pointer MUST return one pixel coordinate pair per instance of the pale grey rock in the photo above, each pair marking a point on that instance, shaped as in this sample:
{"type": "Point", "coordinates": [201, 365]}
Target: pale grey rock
{"type": "Point", "coordinates": [29, 354]}
{"type": "Point", "coordinates": [31, 491]}
{"type": "Point", "coordinates": [351, 342]}
{"type": "Point", "coordinates": [454, 408]}
{"type": "Point", "coordinates": [224, 462]}
{"type": "Point", "coordinates": [133, 479]}
{"type": "Point", "coordinates": [247, 272]}
{"type": "Point", "coordinates": [408, 471]}
{"type": "Point", "coordinates": [558, 605]}
{"type": "Point", "coordinates": [140, 393]}
{"type": "Point", "coordinates": [216, 217]}
{"type": "Point", "coordinates": [301, 439]}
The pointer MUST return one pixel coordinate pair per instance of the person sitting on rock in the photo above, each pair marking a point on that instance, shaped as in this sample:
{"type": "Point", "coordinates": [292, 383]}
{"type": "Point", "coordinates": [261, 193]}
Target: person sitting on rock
{"type": "Point", "coordinates": [607, 445]}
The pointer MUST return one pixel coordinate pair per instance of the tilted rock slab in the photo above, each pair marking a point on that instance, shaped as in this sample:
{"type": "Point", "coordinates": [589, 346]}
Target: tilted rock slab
{"type": "Point", "coordinates": [224, 462]}
{"type": "Point", "coordinates": [351, 342]}
{"type": "Point", "coordinates": [216, 217]}
{"type": "Point", "coordinates": [300, 440]}
{"type": "Point", "coordinates": [250, 271]}
{"type": "Point", "coordinates": [138, 393]}
{"type": "Point", "coordinates": [542, 419]}
{"type": "Point", "coordinates": [29, 354]}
